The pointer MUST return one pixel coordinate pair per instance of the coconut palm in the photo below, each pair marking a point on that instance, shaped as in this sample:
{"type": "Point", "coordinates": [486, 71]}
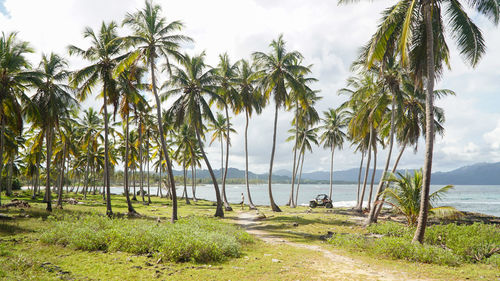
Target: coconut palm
{"type": "Point", "coordinates": [104, 55]}
{"type": "Point", "coordinates": [404, 196]}
{"type": "Point", "coordinates": [91, 126]}
{"type": "Point", "coordinates": [220, 132]}
{"type": "Point", "coordinates": [14, 77]}
{"type": "Point", "coordinates": [417, 31]}
{"type": "Point", "coordinates": [53, 102]}
{"type": "Point", "coordinates": [280, 68]}
{"type": "Point", "coordinates": [153, 36]}
{"type": "Point", "coordinates": [248, 99]}
{"type": "Point", "coordinates": [334, 122]}
{"type": "Point", "coordinates": [193, 83]}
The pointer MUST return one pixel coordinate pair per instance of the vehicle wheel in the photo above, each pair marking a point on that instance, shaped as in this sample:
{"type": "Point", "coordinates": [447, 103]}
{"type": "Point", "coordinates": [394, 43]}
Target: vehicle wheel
{"type": "Point", "coordinates": [313, 204]}
{"type": "Point", "coordinates": [329, 205]}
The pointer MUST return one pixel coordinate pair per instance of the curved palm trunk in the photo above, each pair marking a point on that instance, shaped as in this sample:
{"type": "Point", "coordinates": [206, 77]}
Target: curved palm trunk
{"type": "Point", "coordinates": [226, 203]}
{"type": "Point", "coordinates": [429, 128]}
{"type": "Point", "coordinates": [160, 168]}
{"type": "Point", "coordinates": [360, 204]}
{"type": "Point", "coordinates": [290, 201]}
{"type": "Point", "coordinates": [219, 212]}
{"type": "Point", "coordinates": [374, 211]}
{"type": "Point", "coordinates": [37, 176]}
{"type": "Point", "coordinates": [373, 174]}
{"type": "Point", "coordinates": [359, 176]}
{"type": "Point", "coordinates": [47, 168]}
{"type": "Point", "coordinates": [250, 202]}
{"type": "Point", "coordinates": [107, 187]}
{"type": "Point", "coordinates": [125, 168]}
{"type": "Point", "coordinates": [331, 171]}
{"type": "Point", "coordinates": [274, 207]}
{"type": "Point", "coordinates": [162, 138]}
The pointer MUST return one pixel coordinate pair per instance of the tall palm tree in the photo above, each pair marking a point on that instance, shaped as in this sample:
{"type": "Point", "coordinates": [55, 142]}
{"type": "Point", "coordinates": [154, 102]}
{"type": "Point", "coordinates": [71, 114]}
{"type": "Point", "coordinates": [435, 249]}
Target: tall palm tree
{"type": "Point", "coordinates": [334, 122]}
{"type": "Point", "coordinates": [129, 86]}
{"type": "Point", "coordinates": [248, 99]}
{"type": "Point", "coordinates": [14, 77]}
{"type": "Point", "coordinates": [280, 69]}
{"type": "Point", "coordinates": [53, 101]}
{"type": "Point", "coordinates": [416, 30]}
{"type": "Point", "coordinates": [154, 36]}
{"type": "Point", "coordinates": [226, 73]}
{"type": "Point", "coordinates": [220, 132]}
{"type": "Point", "coordinates": [91, 126]}
{"type": "Point", "coordinates": [192, 83]}
{"type": "Point", "coordinates": [104, 54]}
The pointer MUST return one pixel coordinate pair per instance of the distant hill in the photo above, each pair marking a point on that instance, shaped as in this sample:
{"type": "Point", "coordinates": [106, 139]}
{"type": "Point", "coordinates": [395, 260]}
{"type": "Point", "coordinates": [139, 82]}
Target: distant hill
{"type": "Point", "coordinates": [480, 174]}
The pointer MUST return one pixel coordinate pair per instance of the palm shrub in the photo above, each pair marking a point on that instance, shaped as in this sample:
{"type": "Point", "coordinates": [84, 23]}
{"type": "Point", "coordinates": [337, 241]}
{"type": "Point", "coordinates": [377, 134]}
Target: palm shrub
{"type": "Point", "coordinates": [404, 196]}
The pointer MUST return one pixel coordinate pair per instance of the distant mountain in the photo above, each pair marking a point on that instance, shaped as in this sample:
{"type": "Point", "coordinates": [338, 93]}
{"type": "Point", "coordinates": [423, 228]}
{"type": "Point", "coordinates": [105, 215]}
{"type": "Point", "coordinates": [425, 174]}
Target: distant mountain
{"type": "Point", "coordinates": [479, 174]}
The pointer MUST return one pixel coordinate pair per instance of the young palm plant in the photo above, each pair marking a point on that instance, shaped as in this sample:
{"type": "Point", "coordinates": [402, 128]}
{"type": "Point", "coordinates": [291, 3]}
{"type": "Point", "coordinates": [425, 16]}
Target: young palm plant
{"type": "Point", "coordinates": [404, 196]}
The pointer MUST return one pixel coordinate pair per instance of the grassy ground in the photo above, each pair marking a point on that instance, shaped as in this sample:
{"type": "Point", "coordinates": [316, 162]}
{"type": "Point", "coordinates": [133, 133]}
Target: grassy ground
{"type": "Point", "coordinates": [23, 257]}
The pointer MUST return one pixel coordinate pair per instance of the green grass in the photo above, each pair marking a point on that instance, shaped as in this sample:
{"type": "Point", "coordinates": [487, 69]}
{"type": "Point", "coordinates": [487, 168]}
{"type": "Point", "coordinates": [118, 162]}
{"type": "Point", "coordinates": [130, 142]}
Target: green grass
{"type": "Point", "coordinates": [194, 239]}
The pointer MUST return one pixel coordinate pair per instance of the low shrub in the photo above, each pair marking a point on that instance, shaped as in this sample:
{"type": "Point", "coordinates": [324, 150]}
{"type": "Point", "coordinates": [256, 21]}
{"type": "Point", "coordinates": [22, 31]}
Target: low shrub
{"type": "Point", "coordinates": [194, 239]}
{"type": "Point", "coordinates": [449, 244]}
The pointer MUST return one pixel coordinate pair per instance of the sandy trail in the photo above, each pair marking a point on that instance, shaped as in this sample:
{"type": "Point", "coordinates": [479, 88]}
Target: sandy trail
{"type": "Point", "coordinates": [331, 266]}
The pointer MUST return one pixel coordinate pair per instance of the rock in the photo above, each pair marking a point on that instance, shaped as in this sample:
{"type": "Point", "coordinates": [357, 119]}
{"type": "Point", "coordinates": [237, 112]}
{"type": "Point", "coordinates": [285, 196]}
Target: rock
{"type": "Point", "coordinates": [275, 260]}
{"type": "Point", "coordinates": [327, 236]}
{"type": "Point", "coordinates": [295, 224]}
{"type": "Point", "coordinates": [17, 204]}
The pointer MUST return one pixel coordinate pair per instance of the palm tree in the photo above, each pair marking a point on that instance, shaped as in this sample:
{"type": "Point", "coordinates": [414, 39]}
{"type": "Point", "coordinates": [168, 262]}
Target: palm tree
{"type": "Point", "coordinates": [129, 86]}
{"type": "Point", "coordinates": [220, 132]}
{"type": "Point", "coordinates": [104, 54]}
{"type": "Point", "coordinates": [192, 83]}
{"type": "Point", "coordinates": [53, 101]}
{"type": "Point", "coordinates": [248, 99]}
{"type": "Point", "coordinates": [404, 196]}
{"type": "Point", "coordinates": [280, 69]}
{"type": "Point", "coordinates": [186, 145]}
{"type": "Point", "coordinates": [91, 132]}
{"type": "Point", "coordinates": [334, 122]}
{"type": "Point", "coordinates": [226, 73]}
{"type": "Point", "coordinates": [416, 30]}
{"type": "Point", "coordinates": [153, 36]}
{"type": "Point", "coordinates": [14, 76]}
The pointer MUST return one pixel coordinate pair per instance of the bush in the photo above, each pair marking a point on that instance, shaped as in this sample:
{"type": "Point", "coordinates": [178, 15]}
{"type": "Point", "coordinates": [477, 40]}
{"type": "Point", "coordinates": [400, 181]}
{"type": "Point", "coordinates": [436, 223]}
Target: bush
{"type": "Point", "coordinates": [194, 239]}
{"type": "Point", "coordinates": [449, 244]}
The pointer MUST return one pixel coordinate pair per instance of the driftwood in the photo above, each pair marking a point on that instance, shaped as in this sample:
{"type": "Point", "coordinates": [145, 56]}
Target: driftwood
{"type": "Point", "coordinates": [16, 203]}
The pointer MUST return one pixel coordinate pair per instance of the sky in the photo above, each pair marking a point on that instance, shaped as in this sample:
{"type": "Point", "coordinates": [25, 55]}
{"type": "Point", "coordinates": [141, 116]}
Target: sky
{"type": "Point", "coordinates": [329, 37]}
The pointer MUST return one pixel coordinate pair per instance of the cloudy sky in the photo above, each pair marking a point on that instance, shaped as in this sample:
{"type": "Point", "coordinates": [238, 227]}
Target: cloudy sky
{"type": "Point", "coordinates": [327, 35]}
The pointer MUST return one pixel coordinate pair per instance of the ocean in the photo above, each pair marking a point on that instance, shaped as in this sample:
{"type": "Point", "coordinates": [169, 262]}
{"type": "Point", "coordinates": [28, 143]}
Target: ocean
{"type": "Point", "coordinates": [483, 199]}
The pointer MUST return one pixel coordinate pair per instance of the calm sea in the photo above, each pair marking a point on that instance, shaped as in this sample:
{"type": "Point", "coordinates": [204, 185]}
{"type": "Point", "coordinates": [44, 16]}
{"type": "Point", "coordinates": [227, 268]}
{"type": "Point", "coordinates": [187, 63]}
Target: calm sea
{"type": "Point", "coordinates": [483, 199]}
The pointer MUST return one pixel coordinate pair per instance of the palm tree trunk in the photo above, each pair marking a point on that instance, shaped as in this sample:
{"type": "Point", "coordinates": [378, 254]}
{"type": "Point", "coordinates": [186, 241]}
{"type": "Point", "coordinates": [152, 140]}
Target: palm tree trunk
{"type": "Point", "coordinates": [331, 171]}
{"type": "Point", "coordinates": [87, 174]}
{"type": "Point", "coordinates": [290, 201]}
{"type": "Point", "coordinates": [147, 163]}
{"type": "Point", "coordinates": [159, 182]}
{"type": "Point", "coordinates": [274, 207]}
{"type": "Point", "coordinates": [109, 211]}
{"type": "Point", "coordinates": [184, 169]}
{"type": "Point", "coordinates": [359, 208]}
{"type": "Point", "coordinates": [429, 128]}
{"type": "Point", "coordinates": [300, 177]}
{"type": "Point", "coordinates": [131, 209]}
{"type": "Point", "coordinates": [162, 138]}
{"type": "Point", "coordinates": [47, 168]}
{"type": "Point", "coordinates": [9, 176]}
{"type": "Point", "coordinates": [228, 141]}
{"type": "Point", "coordinates": [359, 176]}
{"type": "Point", "coordinates": [193, 183]}
{"type": "Point", "coordinates": [250, 202]}
{"type": "Point", "coordinates": [2, 132]}
{"type": "Point", "coordinates": [61, 180]}
{"type": "Point", "coordinates": [219, 212]}
{"type": "Point", "coordinates": [141, 174]}
{"type": "Point", "coordinates": [373, 173]}
{"type": "Point", "coordinates": [373, 217]}
{"type": "Point", "coordinates": [134, 198]}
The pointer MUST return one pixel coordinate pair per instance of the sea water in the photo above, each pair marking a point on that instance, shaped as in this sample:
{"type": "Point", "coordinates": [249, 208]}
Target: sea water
{"type": "Point", "coordinates": [483, 199]}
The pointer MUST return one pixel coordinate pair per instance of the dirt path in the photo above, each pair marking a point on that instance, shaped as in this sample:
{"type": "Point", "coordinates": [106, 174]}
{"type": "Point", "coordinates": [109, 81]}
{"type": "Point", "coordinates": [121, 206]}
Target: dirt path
{"type": "Point", "coordinates": [332, 266]}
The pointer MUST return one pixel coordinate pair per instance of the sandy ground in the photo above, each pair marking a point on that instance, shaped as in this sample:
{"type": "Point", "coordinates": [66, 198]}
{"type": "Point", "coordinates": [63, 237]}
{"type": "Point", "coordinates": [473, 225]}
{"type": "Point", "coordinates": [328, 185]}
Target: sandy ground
{"type": "Point", "coordinates": [330, 265]}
